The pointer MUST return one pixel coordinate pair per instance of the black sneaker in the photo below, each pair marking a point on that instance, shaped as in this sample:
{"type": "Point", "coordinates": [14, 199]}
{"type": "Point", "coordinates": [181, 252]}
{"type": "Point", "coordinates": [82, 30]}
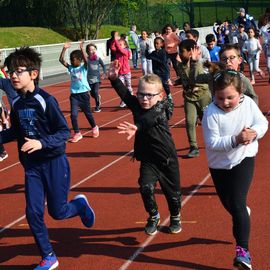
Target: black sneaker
{"type": "Point", "coordinates": [152, 225]}
{"type": "Point", "coordinates": [175, 224]}
{"type": "Point", "coordinates": [3, 156]}
{"type": "Point", "coordinates": [193, 152]}
{"type": "Point", "coordinates": [97, 109]}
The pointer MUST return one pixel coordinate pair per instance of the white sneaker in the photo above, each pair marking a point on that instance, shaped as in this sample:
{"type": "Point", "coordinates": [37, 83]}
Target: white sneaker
{"type": "Point", "coordinates": [3, 156]}
{"type": "Point", "coordinates": [122, 104]}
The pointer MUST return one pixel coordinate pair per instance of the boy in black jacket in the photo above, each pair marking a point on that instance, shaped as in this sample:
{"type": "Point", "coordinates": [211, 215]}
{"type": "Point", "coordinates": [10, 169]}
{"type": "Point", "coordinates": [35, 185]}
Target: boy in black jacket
{"type": "Point", "coordinates": [160, 63]}
{"type": "Point", "coordinates": [41, 130]}
{"type": "Point", "coordinates": [153, 146]}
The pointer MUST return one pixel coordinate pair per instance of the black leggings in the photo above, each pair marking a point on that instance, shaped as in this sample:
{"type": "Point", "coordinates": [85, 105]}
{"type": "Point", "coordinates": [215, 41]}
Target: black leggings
{"type": "Point", "coordinates": [232, 188]}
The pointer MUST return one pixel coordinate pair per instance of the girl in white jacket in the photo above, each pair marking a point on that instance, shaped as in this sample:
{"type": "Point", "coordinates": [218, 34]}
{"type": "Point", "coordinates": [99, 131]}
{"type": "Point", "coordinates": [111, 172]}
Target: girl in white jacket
{"type": "Point", "coordinates": [232, 125]}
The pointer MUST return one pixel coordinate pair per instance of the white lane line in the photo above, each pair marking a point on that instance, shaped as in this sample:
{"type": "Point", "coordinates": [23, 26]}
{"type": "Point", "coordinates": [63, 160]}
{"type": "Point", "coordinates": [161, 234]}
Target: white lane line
{"type": "Point", "coordinates": [165, 222]}
{"type": "Point", "coordinates": [81, 181]}
{"type": "Point", "coordinates": [76, 185]}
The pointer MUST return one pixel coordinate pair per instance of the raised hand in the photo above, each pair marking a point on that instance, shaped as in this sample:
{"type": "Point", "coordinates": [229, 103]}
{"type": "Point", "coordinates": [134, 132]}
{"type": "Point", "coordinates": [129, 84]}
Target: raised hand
{"type": "Point", "coordinates": [196, 53]}
{"type": "Point", "coordinates": [67, 45]}
{"type": "Point", "coordinates": [113, 70]}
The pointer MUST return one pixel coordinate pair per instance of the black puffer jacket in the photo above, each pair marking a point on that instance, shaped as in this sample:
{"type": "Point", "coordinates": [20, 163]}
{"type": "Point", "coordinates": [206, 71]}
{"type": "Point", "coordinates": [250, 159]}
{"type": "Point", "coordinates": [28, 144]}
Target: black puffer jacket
{"type": "Point", "coordinates": [153, 140]}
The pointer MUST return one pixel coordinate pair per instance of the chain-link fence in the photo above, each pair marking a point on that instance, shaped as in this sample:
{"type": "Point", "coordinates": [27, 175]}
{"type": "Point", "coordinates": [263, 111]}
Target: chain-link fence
{"type": "Point", "coordinates": [154, 17]}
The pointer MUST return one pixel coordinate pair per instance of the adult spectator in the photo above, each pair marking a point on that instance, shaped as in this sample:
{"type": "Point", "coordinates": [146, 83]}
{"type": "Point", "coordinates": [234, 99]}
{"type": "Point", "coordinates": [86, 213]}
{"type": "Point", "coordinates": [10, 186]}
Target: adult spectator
{"type": "Point", "coordinates": [108, 47]}
{"type": "Point", "coordinates": [182, 34]}
{"type": "Point", "coordinates": [171, 41]}
{"type": "Point", "coordinates": [245, 19]}
{"type": "Point", "coordinates": [133, 43]}
{"type": "Point", "coordinates": [264, 19]}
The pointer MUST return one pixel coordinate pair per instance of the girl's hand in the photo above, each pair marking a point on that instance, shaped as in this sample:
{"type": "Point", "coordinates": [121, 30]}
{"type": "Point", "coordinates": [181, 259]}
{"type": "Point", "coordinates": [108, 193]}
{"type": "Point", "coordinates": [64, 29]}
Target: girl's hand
{"type": "Point", "coordinates": [127, 128]}
{"type": "Point", "coordinates": [67, 45]}
{"type": "Point", "coordinates": [31, 145]}
{"type": "Point", "coordinates": [81, 44]}
{"type": "Point", "coordinates": [246, 136]}
{"type": "Point", "coordinates": [113, 70]}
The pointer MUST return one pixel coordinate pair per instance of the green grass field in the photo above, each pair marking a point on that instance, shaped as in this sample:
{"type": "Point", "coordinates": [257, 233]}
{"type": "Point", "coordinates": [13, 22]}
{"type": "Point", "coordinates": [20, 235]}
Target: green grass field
{"type": "Point", "coordinates": [28, 36]}
{"type": "Point", "coordinates": [12, 37]}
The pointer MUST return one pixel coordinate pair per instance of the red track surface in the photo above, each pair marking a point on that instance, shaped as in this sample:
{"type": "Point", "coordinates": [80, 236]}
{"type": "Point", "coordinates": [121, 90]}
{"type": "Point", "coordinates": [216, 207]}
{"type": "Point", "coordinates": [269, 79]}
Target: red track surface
{"type": "Point", "coordinates": [102, 170]}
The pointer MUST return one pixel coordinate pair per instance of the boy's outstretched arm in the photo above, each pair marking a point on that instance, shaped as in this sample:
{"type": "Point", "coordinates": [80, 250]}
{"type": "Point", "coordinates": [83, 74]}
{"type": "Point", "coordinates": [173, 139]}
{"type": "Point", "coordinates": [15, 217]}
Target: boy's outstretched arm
{"type": "Point", "coordinates": [62, 55]}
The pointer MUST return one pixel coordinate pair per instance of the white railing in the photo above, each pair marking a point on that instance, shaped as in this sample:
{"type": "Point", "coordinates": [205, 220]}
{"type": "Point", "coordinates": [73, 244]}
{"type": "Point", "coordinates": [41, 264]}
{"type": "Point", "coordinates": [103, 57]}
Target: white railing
{"type": "Point", "coordinates": [50, 53]}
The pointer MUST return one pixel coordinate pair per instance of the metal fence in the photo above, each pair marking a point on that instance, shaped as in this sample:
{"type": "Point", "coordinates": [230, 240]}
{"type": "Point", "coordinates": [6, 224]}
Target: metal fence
{"type": "Point", "coordinates": [50, 53]}
{"type": "Point", "coordinates": [50, 56]}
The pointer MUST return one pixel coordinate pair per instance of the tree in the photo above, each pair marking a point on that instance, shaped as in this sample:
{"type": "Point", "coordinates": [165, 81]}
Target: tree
{"type": "Point", "coordinates": [187, 6]}
{"type": "Point", "coordinates": [87, 16]}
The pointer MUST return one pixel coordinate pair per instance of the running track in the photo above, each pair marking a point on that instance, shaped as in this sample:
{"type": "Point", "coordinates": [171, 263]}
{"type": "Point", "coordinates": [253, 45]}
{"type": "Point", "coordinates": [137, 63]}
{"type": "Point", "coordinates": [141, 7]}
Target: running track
{"type": "Point", "coordinates": [101, 169]}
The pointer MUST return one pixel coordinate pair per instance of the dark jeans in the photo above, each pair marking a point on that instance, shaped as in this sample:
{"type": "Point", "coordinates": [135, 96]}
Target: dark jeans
{"type": "Point", "coordinates": [169, 180]}
{"type": "Point", "coordinates": [232, 188]}
{"type": "Point", "coordinates": [2, 148]}
{"type": "Point", "coordinates": [134, 57]}
{"type": "Point", "coordinates": [172, 57]}
{"type": "Point", "coordinates": [164, 78]}
{"type": "Point", "coordinates": [81, 101]}
{"type": "Point", "coordinates": [95, 93]}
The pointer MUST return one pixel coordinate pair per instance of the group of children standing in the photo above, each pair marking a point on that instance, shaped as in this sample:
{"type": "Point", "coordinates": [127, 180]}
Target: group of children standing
{"type": "Point", "coordinates": [232, 124]}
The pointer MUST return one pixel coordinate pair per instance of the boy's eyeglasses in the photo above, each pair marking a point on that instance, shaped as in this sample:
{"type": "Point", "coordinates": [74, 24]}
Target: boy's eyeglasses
{"type": "Point", "coordinates": [147, 95]}
{"type": "Point", "coordinates": [230, 58]}
{"type": "Point", "coordinates": [18, 72]}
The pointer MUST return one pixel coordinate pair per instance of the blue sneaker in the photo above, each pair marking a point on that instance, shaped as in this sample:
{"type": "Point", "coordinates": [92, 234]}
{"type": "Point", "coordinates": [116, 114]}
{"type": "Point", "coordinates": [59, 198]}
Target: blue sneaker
{"type": "Point", "coordinates": [48, 263]}
{"type": "Point", "coordinates": [87, 213]}
{"type": "Point", "coordinates": [242, 259]}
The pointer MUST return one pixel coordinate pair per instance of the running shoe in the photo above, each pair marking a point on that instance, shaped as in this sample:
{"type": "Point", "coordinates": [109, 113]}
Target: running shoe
{"type": "Point", "coordinates": [48, 263]}
{"type": "Point", "coordinates": [95, 131]}
{"type": "Point", "coordinates": [193, 152]}
{"type": "Point", "coordinates": [175, 224]}
{"type": "Point", "coordinates": [242, 259]}
{"type": "Point", "coordinates": [97, 109]}
{"type": "Point", "coordinates": [86, 213]}
{"type": "Point", "coordinates": [122, 104]}
{"type": "Point", "coordinates": [152, 225]}
{"type": "Point", "coordinates": [77, 137]}
{"type": "Point", "coordinates": [3, 156]}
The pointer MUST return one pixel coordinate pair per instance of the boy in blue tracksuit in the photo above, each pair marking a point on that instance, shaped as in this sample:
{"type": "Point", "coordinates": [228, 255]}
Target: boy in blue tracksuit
{"type": "Point", "coordinates": [41, 131]}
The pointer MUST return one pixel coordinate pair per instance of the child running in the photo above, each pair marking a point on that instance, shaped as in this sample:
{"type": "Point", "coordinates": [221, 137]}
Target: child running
{"type": "Point", "coordinates": [79, 91]}
{"type": "Point", "coordinates": [252, 48]}
{"type": "Point", "coordinates": [146, 44]}
{"type": "Point", "coordinates": [232, 125]}
{"type": "Point", "coordinates": [41, 130]}
{"type": "Point", "coordinates": [3, 119]}
{"type": "Point", "coordinates": [153, 146]}
{"type": "Point", "coordinates": [160, 64]}
{"type": "Point", "coordinates": [122, 56]}
{"type": "Point", "coordinates": [94, 62]}
{"type": "Point", "coordinates": [196, 95]}
{"type": "Point", "coordinates": [230, 57]}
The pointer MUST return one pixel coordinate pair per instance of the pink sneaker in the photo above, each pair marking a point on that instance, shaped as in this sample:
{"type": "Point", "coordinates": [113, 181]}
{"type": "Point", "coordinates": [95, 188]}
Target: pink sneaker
{"type": "Point", "coordinates": [261, 73]}
{"type": "Point", "coordinates": [78, 136]}
{"type": "Point", "coordinates": [95, 131]}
